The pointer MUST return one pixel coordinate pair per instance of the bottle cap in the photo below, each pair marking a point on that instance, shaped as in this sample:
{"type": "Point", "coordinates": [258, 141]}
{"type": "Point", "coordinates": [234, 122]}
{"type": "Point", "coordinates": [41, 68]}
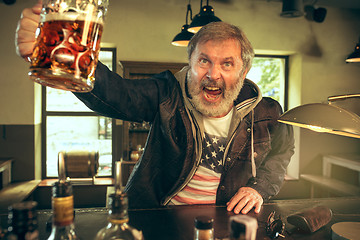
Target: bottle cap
{"type": "Point", "coordinates": [62, 189]}
{"type": "Point", "coordinates": [243, 226]}
{"type": "Point", "coordinates": [237, 229]}
{"type": "Point", "coordinates": [204, 222]}
{"type": "Point", "coordinates": [118, 203]}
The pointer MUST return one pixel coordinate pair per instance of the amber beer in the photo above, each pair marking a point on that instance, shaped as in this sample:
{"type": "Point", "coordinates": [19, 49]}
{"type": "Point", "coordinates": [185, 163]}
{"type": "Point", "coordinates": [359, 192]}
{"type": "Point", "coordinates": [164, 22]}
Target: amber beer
{"type": "Point", "coordinates": [66, 51]}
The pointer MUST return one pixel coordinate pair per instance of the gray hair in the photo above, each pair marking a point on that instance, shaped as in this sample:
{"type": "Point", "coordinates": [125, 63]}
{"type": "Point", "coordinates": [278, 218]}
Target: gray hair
{"type": "Point", "coordinates": [220, 31]}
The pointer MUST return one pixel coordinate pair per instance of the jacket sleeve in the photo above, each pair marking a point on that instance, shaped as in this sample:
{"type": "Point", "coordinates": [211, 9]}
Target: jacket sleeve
{"type": "Point", "coordinates": [127, 99]}
{"type": "Point", "coordinates": [270, 174]}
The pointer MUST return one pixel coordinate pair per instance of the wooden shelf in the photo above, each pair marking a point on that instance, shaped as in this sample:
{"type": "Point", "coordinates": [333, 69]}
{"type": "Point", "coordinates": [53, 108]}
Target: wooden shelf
{"type": "Point", "coordinates": [80, 181]}
{"type": "Point", "coordinates": [338, 187]}
{"type": "Point", "coordinates": [16, 192]}
{"type": "Point", "coordinates": [135, 134]}
{"type": "Point", "coordinates": [329, 183]}
{"type": "Point", "coordinates": [138, 130]}
{"type": "Point", "coordinates": [5, 172]}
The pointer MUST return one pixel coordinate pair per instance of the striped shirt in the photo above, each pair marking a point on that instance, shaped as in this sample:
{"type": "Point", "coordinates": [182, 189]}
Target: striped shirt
{"type": "Point", "coordinates": [203, 186]}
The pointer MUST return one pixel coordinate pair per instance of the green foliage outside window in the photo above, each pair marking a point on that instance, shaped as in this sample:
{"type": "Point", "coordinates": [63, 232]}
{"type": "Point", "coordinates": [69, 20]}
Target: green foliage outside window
{"type": "Point", "coordinates": [268, 74]}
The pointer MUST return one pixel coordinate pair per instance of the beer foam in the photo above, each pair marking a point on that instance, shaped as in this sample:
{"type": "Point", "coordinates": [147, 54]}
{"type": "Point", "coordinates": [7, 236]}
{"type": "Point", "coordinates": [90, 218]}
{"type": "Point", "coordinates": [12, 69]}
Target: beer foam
{"type": "Point", "coordinates": [69, 16]}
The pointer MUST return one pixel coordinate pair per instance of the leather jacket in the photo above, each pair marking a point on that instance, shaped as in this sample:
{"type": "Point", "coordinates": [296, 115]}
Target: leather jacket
{"type": "Point", "coordinates": [173, 148]}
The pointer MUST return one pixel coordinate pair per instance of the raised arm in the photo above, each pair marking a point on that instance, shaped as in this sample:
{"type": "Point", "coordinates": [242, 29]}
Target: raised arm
{"type": "Point", "coordinates": [128, 99]}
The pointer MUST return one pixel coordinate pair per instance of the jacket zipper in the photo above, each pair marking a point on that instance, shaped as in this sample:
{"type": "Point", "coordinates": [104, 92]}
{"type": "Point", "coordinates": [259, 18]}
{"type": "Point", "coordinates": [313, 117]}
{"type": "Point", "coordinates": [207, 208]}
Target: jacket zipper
{"type": "Point", "coordinates": [228, 145]}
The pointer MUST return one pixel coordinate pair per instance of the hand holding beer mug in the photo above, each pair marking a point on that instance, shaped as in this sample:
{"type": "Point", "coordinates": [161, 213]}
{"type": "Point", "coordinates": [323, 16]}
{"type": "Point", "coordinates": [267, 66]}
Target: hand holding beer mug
{"type": "Point", "coordinates": [68, 44]}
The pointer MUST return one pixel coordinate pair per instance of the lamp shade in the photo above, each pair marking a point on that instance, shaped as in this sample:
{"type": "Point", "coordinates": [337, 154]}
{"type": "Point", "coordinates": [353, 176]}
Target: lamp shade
{"type": "Point", "coordinates": [205, 16]}
{"type": "Point", "coordinates": [355, 56]}
{"type": "Point", "coordinates": [324, 118]}
{"type": "Point", "coordinates": [182, 39]}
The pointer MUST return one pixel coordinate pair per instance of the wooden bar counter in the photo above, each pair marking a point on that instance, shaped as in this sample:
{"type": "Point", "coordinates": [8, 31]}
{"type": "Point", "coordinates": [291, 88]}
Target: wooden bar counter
{"type": "Point", "coordinates": [177, 222]}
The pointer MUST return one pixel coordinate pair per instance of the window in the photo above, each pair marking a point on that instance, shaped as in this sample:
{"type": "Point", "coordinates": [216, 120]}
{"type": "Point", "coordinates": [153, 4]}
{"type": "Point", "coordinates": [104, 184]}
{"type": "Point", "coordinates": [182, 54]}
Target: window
{"type": "Point", "coordinates": [70, 125]}
{"type": "Point", "coordinates": [270, 74]}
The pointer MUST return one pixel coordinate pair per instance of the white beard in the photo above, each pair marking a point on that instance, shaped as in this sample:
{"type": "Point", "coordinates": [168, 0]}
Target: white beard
{"type": "Point", "coordinates": [213, 109]}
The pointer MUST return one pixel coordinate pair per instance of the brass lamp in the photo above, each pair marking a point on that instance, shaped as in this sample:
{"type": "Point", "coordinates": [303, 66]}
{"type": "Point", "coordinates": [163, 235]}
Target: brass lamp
{"type": "Point", "coordinates": [325, 118]}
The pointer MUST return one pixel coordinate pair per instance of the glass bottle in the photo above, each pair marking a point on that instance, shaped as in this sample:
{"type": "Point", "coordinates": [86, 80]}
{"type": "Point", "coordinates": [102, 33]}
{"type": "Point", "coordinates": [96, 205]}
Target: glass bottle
{"type": "Point", "coordinates": [22, 219]}
{"type": "Point", "coordinates": [118, 218]}
{"type": "Point", "coordinates": [63, 212]}
{"type": "Point", "coordinates": [204, 229]}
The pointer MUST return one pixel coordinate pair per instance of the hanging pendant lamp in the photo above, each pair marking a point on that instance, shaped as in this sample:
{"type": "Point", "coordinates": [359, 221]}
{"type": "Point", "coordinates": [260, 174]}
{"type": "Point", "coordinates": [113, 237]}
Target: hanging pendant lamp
{"type": "Point", "coordinates": [325, 118]}
{"type": "Point", "coordinates": [355, 56]}
{"type": "Point", "coordinates": [182, 39]}
{"type": "Point", "coordinates": [205, 16]}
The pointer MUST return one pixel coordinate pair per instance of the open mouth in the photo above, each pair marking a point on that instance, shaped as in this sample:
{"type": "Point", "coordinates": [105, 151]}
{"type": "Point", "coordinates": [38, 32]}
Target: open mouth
{"type": "Point", "coordinates": [212, 93]}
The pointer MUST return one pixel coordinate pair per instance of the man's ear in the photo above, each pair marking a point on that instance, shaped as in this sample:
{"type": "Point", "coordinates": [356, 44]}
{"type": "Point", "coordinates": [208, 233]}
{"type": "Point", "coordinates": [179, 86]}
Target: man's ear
{"type": "Point", "coordinates": [244, 73]}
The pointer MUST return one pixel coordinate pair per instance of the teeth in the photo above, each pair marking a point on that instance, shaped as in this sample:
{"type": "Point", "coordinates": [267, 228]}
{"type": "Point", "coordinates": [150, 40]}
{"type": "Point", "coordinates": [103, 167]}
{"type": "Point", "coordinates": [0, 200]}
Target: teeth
{"type": "Point", "coordinates": [212, 88]}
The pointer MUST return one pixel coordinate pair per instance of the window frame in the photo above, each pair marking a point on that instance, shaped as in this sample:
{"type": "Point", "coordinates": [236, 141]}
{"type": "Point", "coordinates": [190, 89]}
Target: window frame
{"type": "Point", "coordinates": [45, 114]}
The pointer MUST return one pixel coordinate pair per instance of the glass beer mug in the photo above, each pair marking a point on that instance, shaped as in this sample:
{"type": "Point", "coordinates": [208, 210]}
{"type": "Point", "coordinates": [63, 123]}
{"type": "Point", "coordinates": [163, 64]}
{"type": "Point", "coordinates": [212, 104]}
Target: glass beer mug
{"type": "Point", "coordinates": [68, 44]}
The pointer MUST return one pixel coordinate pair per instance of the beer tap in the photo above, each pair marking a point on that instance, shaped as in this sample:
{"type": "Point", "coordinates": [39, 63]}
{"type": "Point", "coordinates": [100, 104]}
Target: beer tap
{"type": "Point", "coordinates": [118, 219]}
{"type": "Point", "coordinates": [118, 177]}
{"type": "Point", "coordinates": [61, 167]}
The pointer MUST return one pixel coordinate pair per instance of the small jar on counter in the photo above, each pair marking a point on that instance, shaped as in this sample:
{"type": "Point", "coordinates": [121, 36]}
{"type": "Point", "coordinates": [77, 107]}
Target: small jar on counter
{"type": "Point", "coordinates": [204, 229]}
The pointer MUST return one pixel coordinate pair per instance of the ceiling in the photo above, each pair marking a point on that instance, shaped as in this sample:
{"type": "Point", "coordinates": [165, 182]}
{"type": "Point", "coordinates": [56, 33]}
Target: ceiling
{"type": "Point", "coordinates": [354, 4]}
{"type": "Point", "coordinates": [349, 4]}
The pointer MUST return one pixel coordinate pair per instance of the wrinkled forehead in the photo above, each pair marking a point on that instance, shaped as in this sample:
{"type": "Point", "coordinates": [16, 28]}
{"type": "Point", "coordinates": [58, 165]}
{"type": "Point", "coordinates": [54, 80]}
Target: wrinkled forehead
{"type": "Point", "coordinates": [230, 46]}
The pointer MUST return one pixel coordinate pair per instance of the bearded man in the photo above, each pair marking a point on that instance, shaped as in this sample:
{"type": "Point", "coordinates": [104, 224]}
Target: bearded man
{"type": "Point", "coordinates": [213, 139]}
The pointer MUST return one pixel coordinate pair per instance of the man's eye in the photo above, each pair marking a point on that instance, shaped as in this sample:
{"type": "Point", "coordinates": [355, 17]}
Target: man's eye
{"type": "Point", "coordinates": [228, 64]}
{"type": "Point", "coordinates": [203, 61]}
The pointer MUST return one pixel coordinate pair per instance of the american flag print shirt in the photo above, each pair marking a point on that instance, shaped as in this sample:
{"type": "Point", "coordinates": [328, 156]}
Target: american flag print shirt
{"type": "Point", "coordinates": [203, 186]}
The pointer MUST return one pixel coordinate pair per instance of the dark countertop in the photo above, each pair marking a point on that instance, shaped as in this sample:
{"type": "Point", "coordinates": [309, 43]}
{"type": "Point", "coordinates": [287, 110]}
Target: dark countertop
{"type": "Point", "coordinates": [177, 222]}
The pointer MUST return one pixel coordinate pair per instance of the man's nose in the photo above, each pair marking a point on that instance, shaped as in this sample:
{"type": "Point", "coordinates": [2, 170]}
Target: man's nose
{"type": "Point", "coordinates": [214, 72]}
